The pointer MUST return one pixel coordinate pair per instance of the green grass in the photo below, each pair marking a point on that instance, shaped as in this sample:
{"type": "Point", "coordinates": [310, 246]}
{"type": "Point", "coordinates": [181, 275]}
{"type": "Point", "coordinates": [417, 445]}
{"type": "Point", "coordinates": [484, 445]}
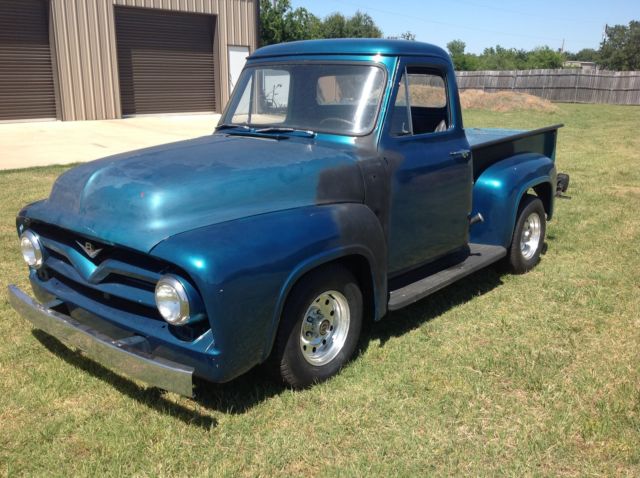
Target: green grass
{"type": "Point", "coordinates": [534, 375]}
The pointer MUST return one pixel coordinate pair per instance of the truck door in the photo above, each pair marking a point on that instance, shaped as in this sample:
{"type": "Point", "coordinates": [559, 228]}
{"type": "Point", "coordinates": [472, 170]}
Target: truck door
{"type": "Point", "coordinates": [428, 155]}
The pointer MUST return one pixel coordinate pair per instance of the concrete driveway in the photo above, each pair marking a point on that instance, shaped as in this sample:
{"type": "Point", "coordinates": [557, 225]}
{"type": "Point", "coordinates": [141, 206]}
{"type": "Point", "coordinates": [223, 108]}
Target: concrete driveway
{"type": "Point", "coordinates": [24, 145]}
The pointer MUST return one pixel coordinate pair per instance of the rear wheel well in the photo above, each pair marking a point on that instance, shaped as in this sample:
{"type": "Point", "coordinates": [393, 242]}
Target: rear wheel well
{"type": "Point", "coordinates": [544, 192]}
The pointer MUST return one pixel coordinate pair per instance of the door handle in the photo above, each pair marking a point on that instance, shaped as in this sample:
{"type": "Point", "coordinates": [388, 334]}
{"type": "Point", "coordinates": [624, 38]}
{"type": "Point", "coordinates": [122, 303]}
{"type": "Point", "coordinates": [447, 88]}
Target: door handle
{"type": "Point", "coordinates": [462, 154]}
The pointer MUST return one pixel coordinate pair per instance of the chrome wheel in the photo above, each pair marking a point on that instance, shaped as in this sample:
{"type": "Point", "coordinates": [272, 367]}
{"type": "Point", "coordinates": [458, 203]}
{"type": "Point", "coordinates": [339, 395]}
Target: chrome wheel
{"type": "Point", "coordinates": [325, 328]}
{"type": "Point", "coordinates": [531, 233]}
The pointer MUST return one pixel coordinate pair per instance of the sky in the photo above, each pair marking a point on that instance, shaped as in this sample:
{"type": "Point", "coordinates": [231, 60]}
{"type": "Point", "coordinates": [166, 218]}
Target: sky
{"type": "Point", "coordinates": [485, 23]}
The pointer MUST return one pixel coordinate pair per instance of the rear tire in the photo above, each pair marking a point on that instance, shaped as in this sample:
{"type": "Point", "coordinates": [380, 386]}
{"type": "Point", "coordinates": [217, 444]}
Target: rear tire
{"type": "Point", "coordinates": [319, 328]}
{"type": "Point", "coordinates": [528, 236]}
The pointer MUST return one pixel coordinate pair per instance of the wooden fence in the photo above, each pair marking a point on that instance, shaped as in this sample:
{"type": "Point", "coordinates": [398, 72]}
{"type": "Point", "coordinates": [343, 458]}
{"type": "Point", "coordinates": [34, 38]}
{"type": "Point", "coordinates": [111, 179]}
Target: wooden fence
{"type": "Point", "coordinates": [568, 85]}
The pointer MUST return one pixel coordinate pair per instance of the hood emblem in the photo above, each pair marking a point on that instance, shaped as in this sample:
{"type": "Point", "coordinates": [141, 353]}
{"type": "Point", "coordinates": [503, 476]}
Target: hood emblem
{"type": "Point", "coordinates": [89, 249]}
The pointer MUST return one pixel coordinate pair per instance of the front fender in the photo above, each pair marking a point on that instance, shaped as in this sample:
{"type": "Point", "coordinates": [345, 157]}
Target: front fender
{"type": "Point", "coordinates": [498, 190]}
{"type": "Point", "coordinates": [245, 268]}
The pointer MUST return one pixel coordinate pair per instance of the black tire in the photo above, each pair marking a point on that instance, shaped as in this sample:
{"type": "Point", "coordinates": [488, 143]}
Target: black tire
{"type": "Point", "coordinates": [518, 261]}
{"type": "Point", "coordinates": [287, 359]}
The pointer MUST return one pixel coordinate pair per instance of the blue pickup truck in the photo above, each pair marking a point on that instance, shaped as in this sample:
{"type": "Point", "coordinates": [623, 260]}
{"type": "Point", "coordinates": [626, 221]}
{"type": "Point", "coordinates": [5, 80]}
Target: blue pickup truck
{"type": "Point", "coordinates": [339, 185]}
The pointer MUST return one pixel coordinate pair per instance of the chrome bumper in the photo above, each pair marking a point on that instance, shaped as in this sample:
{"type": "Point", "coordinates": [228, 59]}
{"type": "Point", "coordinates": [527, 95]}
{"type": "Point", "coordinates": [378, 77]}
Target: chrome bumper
{"type": "Point", "coordinates": [113, 354]}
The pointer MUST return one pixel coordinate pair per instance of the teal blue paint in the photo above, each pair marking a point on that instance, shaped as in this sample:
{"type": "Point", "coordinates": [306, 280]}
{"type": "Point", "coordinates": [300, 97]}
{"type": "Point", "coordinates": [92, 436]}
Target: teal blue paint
{"type": "Point", "coordinates": [239, 218]}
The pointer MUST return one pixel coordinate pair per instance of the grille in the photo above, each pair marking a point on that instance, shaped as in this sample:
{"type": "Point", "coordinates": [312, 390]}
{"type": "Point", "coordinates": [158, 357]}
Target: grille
{"type": "Point", "coordinates": [116, 277]}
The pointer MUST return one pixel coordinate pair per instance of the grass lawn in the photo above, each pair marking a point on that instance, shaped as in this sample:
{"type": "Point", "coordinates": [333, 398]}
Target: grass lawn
{"type": "Point", "coordinates": [520, 375]}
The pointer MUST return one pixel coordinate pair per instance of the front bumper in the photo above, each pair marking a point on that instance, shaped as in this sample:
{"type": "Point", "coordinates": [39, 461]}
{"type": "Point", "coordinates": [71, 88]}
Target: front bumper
{"type": "Point", "coordinates": [124, 356]}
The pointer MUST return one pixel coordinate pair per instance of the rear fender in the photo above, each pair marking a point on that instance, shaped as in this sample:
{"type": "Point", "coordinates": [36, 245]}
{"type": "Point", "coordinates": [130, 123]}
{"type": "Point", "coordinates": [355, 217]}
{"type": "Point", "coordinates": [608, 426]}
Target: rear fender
{"type": "Point", "coordinates": [499, 189]}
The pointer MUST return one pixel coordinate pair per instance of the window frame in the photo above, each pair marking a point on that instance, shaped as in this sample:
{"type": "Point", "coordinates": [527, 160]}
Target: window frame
{"type": "Point", "coordinates": [377, 123]}
{"type": "Point", "coordinates": [438, 70]}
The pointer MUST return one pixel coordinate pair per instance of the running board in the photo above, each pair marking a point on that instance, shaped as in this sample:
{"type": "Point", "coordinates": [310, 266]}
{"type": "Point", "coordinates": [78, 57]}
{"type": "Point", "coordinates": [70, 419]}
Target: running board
{"type": "Point", "coordinates": [480, 256]}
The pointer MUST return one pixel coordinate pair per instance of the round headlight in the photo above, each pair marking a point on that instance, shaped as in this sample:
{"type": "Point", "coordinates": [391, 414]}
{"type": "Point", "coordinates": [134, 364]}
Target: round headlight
{"type": "Point", "coordinates": [31, 249]}
{"type": "Point", "coordinates": [172, 300]}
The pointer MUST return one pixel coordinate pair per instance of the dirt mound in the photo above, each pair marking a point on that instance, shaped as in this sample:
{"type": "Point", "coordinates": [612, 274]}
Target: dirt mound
{"type": "Point", "coordinates": [504, 101]}
{"type": "Point", "coordinates": [425, 95]}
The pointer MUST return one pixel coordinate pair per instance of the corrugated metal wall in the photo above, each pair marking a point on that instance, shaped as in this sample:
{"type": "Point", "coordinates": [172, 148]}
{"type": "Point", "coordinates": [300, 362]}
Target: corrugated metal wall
{"type": "Point", "coordinates": [172, 72]}
{"type": "Point", "coordinates": [27, 89]}
{"type": "Point", "coordinates": [85, 55]}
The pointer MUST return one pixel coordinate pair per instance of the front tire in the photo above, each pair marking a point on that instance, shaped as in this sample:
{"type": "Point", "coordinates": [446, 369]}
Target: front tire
{"type": "Point", "coordinates": [319, 328]}
{"type": "Point", "coordinates": [528, 236]}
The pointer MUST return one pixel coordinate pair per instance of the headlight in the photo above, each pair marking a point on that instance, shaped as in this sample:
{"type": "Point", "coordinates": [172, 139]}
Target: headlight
{"type": "Point", "coordinates": [31, 249]}
{"type": "Point", "coordinates": [172, 300]}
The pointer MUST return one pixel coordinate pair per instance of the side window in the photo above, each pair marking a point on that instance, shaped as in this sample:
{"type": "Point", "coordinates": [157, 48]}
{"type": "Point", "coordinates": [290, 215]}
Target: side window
{"type": "Point", "coordinates": [421, 105]}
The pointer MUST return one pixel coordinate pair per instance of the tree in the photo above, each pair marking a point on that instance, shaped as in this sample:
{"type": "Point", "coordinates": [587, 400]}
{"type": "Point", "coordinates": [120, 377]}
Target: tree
{"type": "Point", "coordinates": [303, 25]}
{"type": "Point", "coordinates": [334, 26]}
{"type": "Point", "coordinates": [620, 49]}
{"type": "Point", "coordinates": [408, 35]}
{"type": "Point", "coordinates": [586, 54]}
{"type": "Point", "coordinates": [544, 57]}
{"type": "Point", "coordinates": [456, 47]}
{"type": "Point", "coordinates": [279, 22]}
{"type": "Point", "coordinates": [461, 60]}
{"type": "Point", "coordinates": [456, 51]}
{"type": "Point", "coordinates": [361, 25]}
{"type": "Point", "coordinates": [500, 58]}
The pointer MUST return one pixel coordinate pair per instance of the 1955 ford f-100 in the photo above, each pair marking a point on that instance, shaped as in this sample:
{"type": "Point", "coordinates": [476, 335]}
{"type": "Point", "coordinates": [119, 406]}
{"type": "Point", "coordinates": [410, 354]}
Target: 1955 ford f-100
{"type": "Point", "coordinates": [339, 184]}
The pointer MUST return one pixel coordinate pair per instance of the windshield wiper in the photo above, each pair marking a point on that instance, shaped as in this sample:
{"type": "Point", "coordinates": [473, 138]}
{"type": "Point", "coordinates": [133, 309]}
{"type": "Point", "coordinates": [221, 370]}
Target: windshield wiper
{"type": "Point", "coordinates": [281, 129]}
{"type": "Point", "coordinates": [232, 126]}
{"type": "Point", "coordinates": [270, 130]}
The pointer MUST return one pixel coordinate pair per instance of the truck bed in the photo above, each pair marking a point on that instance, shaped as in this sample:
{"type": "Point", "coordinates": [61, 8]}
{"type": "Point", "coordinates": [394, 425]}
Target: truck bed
{"type": "Point", "coordinates": [490, 145]}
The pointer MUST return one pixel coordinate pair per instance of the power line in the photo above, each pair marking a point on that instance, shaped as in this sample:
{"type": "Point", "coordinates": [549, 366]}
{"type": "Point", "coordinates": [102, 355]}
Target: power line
{"type": "Point", "coordinates": [436, 22]}
{"type": "Point", "coordinates": [529, 14]}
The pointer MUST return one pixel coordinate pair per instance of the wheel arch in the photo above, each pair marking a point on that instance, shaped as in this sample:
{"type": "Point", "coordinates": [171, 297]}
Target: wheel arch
{"type": "Point", "coordinates": [541, 186]}
{"type": "Point", "coordinates": [358, 260]}
{"type": "Point", "coordinates": [546, 192]}
{"type": "Point", "coordinates": [244, 269]}
{"type": "Point", "coordinates": [499, 191]}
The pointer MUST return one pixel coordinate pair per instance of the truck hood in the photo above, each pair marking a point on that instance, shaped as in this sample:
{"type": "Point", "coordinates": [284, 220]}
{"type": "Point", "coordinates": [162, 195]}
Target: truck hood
{"type": "Point", "coordinates": [138, 199]}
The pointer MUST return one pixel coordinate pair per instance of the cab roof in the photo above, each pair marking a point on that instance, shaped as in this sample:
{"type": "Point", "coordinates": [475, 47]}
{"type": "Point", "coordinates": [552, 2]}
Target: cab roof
{"type": "Point", "coordinates": [351, 46]}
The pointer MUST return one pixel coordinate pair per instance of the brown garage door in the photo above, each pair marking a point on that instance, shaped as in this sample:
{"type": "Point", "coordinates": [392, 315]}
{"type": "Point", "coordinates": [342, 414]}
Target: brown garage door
{"type": "Point", "coordinates": [26, 78]}
{"type": "Point", "coordinates": [165, 61]}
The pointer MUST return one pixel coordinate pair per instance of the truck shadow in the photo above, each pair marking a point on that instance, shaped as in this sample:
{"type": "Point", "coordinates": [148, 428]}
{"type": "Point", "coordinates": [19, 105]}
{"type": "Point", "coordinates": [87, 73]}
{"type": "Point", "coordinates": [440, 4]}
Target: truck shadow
{"type": "Point", "coordinates": [402, 321]}
{"type": "Point", "coordinates": [234, 397]}
{"type": "Point", "coordinates": [254, 387]}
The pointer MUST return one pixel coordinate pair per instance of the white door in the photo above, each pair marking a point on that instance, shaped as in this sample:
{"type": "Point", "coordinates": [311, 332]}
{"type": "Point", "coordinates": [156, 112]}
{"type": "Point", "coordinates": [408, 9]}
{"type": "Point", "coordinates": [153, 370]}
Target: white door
{"type": "Point", "coordinates": [237, 58]}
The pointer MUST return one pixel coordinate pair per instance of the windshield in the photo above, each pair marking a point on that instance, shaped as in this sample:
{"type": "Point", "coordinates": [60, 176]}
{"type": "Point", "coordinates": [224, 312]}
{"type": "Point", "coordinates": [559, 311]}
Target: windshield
{"type": "Point", "coordinates": [326, 98]}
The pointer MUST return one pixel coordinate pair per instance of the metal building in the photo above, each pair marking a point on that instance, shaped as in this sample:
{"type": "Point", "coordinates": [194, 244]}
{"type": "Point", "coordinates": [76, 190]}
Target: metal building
{"type": "Point", "coordinates": [105, 59]}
